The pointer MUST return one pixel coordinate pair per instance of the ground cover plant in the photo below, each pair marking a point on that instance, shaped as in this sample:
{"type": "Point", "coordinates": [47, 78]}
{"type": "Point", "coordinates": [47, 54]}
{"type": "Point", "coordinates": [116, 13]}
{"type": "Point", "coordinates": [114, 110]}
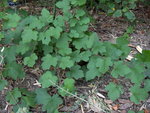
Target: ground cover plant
{"type": "Point", "coordinates": [63, 43]}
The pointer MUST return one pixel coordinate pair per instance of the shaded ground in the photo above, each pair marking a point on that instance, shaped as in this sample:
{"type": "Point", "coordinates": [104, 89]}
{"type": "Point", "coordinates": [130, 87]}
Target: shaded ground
{"type": "Point", "coordinates": [93, 92]}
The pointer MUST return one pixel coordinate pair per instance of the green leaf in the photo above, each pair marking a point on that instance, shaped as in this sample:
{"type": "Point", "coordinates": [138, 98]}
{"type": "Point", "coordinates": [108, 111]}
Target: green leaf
{"type": "Point", "coordinates": [54, 102]}
{"type": "Point", "coordinates": [74, 56]}
{"type": "Point", "coordinates": [112, 50]}
{"type": "Point", "coordinates": [14, 70]}
{"type": "Point", "coordinates": [42, 97]}
{"type": "Point", "coordinates": [85, 55]}
{"type": "Point", "coordinates": [23, 47]}
{"type": "Point", "coordinates": [138, 94]}
{"type": "Point", "coordinates": [10, 54]}
{"type": "Point", "coordinates": [103, 64]}
{"type": "Point", "coordinates": [92, 73]}
{"type": "Point", "coordinates": [136, 75]}
{"type": "Point", "coordinates": [92, 69]}
{"type": "Point", "coordinates": [147, 84]}
{"type": "Point", "coordinates": [13, 96]}
{"type": "Point", "coordinates": [117, 13]}
{"type": "Point", "coordinates": [30, 61]}
{"type": "Point", "coordinates": [66, 62]}
{"type": "Point", "coordinates": [75, 72]}
{"type": "Point", "coordinates": [79, 13]}
{"type": "Point", "coordinates": [45, 37]}
{"type": "Point", "coordinates": [46, 18]}
{"type": "Point", "coordinates": [80, 43]}
{"type": "Point", "coordinates": [46, 100]}
{"type": "Point", "coordinates": [28, 35]}
{"type": "Point", "coordinates": [84, 20]}
{"type": "Point", "coordinates": [28, 97]}
{"type": "Point", "coordinates": [67, 86]}
{"type": "Point", "coordinates": [59, 21]}
{"type": "Point", "coordinates": [73, 22]}
{"type": "Point", "coordinates": [144, 57]}
{"type": "Point", "coordinates": [48, 79]}
{"type": "Point", "coordinates": [98, 47]}
{"type": "Point", "coordinates": [34, 22]}
{"type": "Point", "coordinates": [49, 61]}
{"type": "Point", "coordinates": [47, 49]}
{"type": "Point", "coordinates": [74, 34]}
{"type": "Point", "coordinates": [13, 20]}
{"type": "Point", "coordinates": [120, 69]}
{"type": "Point", "coordinates": [78, 2]}
{"type": "Point", "coordinates": [3, 83]}
{"type": "Point", "coordinates": [130, 111]}
{"type": "Point", "coordinates": [1, 36]}
{"type": "Point", "coordinates": [118, 1]}
{"type": "Point", "coordinates": [91, 39]}
{"type": "Point", "coordinates": [64, 4]}
{"type": "Point", "coordinates": [114, 91]}
{"type": "Point", "coordinates": [55, 32]}
{"type": "Point", "coordinates": [63, 45]}
{"type": "Point", "coordinates": [130, 15]}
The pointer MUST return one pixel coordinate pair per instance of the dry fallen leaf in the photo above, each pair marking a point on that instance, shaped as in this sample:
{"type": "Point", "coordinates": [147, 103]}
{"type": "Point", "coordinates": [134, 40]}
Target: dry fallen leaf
{"type": "Point", "coordinates": [129, 57]}
{"type": "Point", "coordinates": [139, 49]}
{"type": "Point", "coordinates": [115, 107]}
{"type": "Point", "coordinates": [100, 95]}
{"type": "Point", "coordinates": [125, 106]}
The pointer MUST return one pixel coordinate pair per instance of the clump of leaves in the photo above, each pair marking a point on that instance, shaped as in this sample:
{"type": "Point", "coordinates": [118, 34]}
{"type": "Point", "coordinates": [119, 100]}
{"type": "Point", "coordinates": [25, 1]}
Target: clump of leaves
{"type": "Point", "coordinates": [64, 42]}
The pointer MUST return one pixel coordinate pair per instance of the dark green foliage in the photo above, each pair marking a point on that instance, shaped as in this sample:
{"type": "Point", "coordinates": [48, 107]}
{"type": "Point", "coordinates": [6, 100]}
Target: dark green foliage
{"type": "Point", "coordinates": [64, 42]}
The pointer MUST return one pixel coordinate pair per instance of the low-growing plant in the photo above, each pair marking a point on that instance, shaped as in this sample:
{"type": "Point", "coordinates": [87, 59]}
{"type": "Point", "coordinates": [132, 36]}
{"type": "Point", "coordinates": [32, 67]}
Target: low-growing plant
{"type": "Point", "coordinates": [116, 8]}
{"type": "Point", "coordinates": [63, 42]}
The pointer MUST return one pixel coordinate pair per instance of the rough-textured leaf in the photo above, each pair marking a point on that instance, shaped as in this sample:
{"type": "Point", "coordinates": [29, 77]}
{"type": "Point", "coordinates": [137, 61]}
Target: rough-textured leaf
{"type": "Point", "coordinates": [28, 35]}
{"type": "Point", "coordinates": [144, 57]}
{"type": "Point", "coordinates": [48, 79]}
{"type": "Point", "coordinates": [103, 64]}
{"type": "Point", "coordinates": [12, 96]}
{"type": "Point", "coordinates": [79, 13]}
{"type": "Point", "coordinates": [78, 2]}
{"type": "Point", "coordinates": [114, 90]}
{"type": "Point", "coordinates": [3, 83]}
{"type": "Point", "coordinates": [54, 103]}
{"type": "Point", "coordinates": [55, 32]}
{"type": "Point", "coordinates": [30, 61]}
{"type": "Point", "coordinates": [63, 45]}
{"type": "Point", "coordinates": [66, 62]}
{"type": "Point", "coordinates": [42, 97]}
{"type": "Point", "coordinates": [49, 61]}
{"type": "Point", "coordinates": [117, 13]}
{"type": "Point", "coordinates": [10, 54]}
{"type": "Point", "coordinates": [14, 70]}
{"type": "Point", "coordinates": [138, 94]}
{"type": "Point", "coordinates": [120, 69]}
{"type": "Point", "coordinates": [1, 36]}
{"type": "Point", "coordinates": [49, 104]}
{"type": "Point", "coordinates": [92, 69]}
{"type": "Point", "coordinates": [75, 72]}
{"type": "Point", "coordinates": [28, 97]}
{"type": "Point", "coordinates": [13, 20]}
{"type": "Point", "coordinates": [64, 4]}
{"type": "Point", "coordinates": [147, 84]}
{"type": "Point", "coordinates": [45, 37]}
{"type": "Point", "coordinates": [130, 15]}
{"type": "Point", "coordinates": [85, 55]}
{"type": "Point", "coordinates": [137, 73]}
{"type": "Point", "coordinates": [68, 86]}
{"type": "Point", "coordinates": [46, 17]}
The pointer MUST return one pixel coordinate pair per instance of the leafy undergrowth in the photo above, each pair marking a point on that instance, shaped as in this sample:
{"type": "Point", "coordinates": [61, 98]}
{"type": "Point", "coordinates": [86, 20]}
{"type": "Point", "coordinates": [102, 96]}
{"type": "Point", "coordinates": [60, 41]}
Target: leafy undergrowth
{"type": "Point", "coordinates": [66, 51]}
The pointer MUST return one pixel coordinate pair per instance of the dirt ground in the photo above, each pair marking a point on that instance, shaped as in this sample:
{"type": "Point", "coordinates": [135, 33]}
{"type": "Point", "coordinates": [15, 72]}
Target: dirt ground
{"type": "Point", "coordinates": [107, 28]}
